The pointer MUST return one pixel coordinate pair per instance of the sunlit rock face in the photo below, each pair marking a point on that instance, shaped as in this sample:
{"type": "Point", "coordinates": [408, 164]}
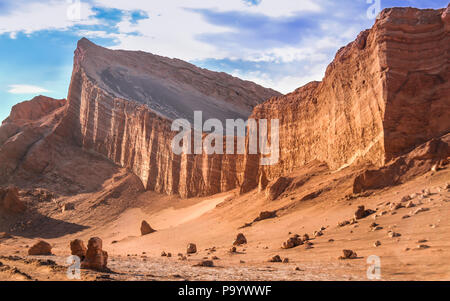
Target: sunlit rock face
{"type": "Point", "coordinates": [384, 94]}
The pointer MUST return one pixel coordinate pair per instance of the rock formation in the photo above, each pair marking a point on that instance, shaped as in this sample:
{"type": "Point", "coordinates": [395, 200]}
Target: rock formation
{"type": "Point", "coordinates": [40, 248]}
{"type": "Point", "coordinates": [191, 248]}
{"type": "Point", "coordinates": [146, 229]}
{"type": "Point", "coordinates": [96, 258]}
{"type": "Point", "coordinates": [383, 95]}
{"type": "Point", "coordinates": [78, 248]}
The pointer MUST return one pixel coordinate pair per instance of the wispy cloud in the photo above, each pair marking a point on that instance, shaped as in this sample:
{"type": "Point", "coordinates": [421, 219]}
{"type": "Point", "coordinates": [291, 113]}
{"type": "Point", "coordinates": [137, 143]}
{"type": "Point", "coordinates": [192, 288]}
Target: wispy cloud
{"type": "Point", "coordinates": [26, 89]}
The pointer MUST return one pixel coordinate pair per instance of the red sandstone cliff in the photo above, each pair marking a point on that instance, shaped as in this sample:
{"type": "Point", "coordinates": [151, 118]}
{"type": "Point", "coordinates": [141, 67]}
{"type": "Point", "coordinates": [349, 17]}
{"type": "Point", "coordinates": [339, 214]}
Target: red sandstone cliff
{"type": "Point", "coordinates": [384, 94]}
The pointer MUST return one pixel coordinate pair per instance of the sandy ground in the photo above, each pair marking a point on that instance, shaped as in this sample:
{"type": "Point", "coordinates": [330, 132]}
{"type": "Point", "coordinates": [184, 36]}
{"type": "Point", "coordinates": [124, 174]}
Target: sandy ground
{"type": "Point", "coordinates": [215, 222]}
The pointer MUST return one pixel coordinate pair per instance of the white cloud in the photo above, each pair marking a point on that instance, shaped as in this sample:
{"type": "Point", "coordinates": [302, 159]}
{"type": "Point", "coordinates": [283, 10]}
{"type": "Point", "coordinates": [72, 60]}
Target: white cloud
{"type": "Point", "coordinates": [26, 89]}
{"type": "Point", "coordinates": [29, 17]}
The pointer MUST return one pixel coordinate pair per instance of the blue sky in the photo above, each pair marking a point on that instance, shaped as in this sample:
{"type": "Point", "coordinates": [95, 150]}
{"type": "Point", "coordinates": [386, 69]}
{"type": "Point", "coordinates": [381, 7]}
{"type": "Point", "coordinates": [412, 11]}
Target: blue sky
{"type": "Point", "coordinates": [281, 44]}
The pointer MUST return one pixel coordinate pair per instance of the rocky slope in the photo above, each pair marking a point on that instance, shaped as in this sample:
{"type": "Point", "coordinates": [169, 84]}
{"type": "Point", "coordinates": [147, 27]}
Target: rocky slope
{"type": "Point", "coordinates": [384, 94]}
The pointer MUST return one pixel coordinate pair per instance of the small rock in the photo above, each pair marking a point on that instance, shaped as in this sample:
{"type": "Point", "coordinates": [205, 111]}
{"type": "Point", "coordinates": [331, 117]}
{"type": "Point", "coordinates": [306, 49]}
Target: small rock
{"type": "Point", "coordinates": [377, 243]}
{"type": "Point", "coordinates": [348, 254]}
{"type": "Point", "coordinates": [191, 249]}
{"type": "Point", "coordinates": [292, 242]}
{"type": "Point", "coordinates": [393, 234]}
{"type": "Point", "coordinates": [275, 258]}
{"type": "Point", "coordinates": [240, 240]}
{"type": "Point", "coordinates": [406, 216]}
{"type": "Point", "coordinates": [422, 247]}
{"type": "Point", "coordinates": [286, 260]}
{"type": "Point", "coordinates": [163, 254]}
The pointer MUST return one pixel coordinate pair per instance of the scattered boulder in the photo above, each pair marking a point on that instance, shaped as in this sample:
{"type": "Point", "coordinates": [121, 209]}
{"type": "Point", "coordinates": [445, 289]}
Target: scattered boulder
{"type": "Point", "coordinates": [96, 258]}
{"type": "Point", "coordinates": [10, 201]}
{"type": "Point", "coordinates": [191, 248]}
{"type": "Point", "coordinates": [286, 260]}
{"type": "Point", "coordinates": [393, 234]}
{"type": "Point", "coordinates": [410, 204]}
{"type": "Point", "coordinates": [233, 250]}
{"type": "Point", "coordinates": [317, 234]}
{"type": "Point", "coordinates": [292, 242]}
{"type": "Point", "coordinates": [361, 212]}
{"type": "Point", "coordinates": [78, 248]}
{"type": "Point", "coordinates": [275, 258]}
{"type": "Point", "coordinates": [41, 248]}
{"type": "Point", "coordinates": [163, 254]}
{"type": "Point", "coordinates": [348, 254]}
{"type": "Point", "coordinates": [276, 188]}
{"type": "Point", "coordinates": [169, 255]}
{"type": "Point", "coordinates": [266, 215]}
{"type": "Point", "coordinates": [240, 240]}
{"type": "Point", "coordinates": [377, 243]}
{"type": "Point", "coordinates": [422, 247]}
{"type": "Point", "coordinates": [146, 229]}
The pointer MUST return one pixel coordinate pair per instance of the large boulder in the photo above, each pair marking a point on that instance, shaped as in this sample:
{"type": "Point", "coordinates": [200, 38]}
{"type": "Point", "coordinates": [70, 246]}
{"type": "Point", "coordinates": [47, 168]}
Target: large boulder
{"type": "Point", "coordinates": [40, 248]}
{"type": "Point", "coordinates": [96, 258]}
{"type": "Point", "coordinates": [10, 201]}
{"type": "Point", "coordinates": [78, 248]}
{"type": "Point", "coordinates": [146, 229]}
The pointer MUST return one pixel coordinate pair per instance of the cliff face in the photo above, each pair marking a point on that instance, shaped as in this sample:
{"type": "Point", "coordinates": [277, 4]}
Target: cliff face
{"type": "Point", "coordinates": [384, 94]}
{"type": "Point", "coordinates": [104, 114]}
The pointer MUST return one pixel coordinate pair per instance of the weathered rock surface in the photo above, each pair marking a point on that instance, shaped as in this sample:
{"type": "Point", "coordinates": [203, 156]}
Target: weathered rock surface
{"type": "Point", "coordinates": [403, 168]}
{"type": "Point", "coordinates": [40, 248]}
{"type": "Point", "coordinates": [277, 187]}
{"type": "Point", "coordinates": [96, 258]}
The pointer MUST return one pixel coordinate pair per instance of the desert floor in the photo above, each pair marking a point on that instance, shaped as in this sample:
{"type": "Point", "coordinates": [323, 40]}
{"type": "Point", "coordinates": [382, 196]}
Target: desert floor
{"type": "Point", "coordinates": [215, 221]}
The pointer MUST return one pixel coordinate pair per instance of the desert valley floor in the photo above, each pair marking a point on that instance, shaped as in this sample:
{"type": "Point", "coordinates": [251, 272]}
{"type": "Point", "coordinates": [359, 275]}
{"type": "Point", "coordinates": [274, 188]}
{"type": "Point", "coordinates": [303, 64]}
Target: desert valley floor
{"type": "Point", "coordinates": [212, 224]}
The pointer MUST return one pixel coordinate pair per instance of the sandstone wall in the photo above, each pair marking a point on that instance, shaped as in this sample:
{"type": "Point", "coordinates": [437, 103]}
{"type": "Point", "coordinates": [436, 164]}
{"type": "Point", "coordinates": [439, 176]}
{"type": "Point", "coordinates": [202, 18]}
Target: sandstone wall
{"type": "Point", "coordinates": [384, 94]}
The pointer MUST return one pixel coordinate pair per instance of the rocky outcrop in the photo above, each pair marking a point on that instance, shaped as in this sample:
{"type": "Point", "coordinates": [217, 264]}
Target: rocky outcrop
{"type": "Point", "coordinates": [10, 201]}
{"type": "Point", "coordinates": [146, 229]}
{"type": "Point", "coordinates": [78, 248]}
{"type": "Point", "coordinates": [41, 248]}
{"type": "Point", "coordinates": [96, 258]}
{"type": "Point", "coordinates": [382, 96]}
{"type": "Point", "coordinates": [417, 162]}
